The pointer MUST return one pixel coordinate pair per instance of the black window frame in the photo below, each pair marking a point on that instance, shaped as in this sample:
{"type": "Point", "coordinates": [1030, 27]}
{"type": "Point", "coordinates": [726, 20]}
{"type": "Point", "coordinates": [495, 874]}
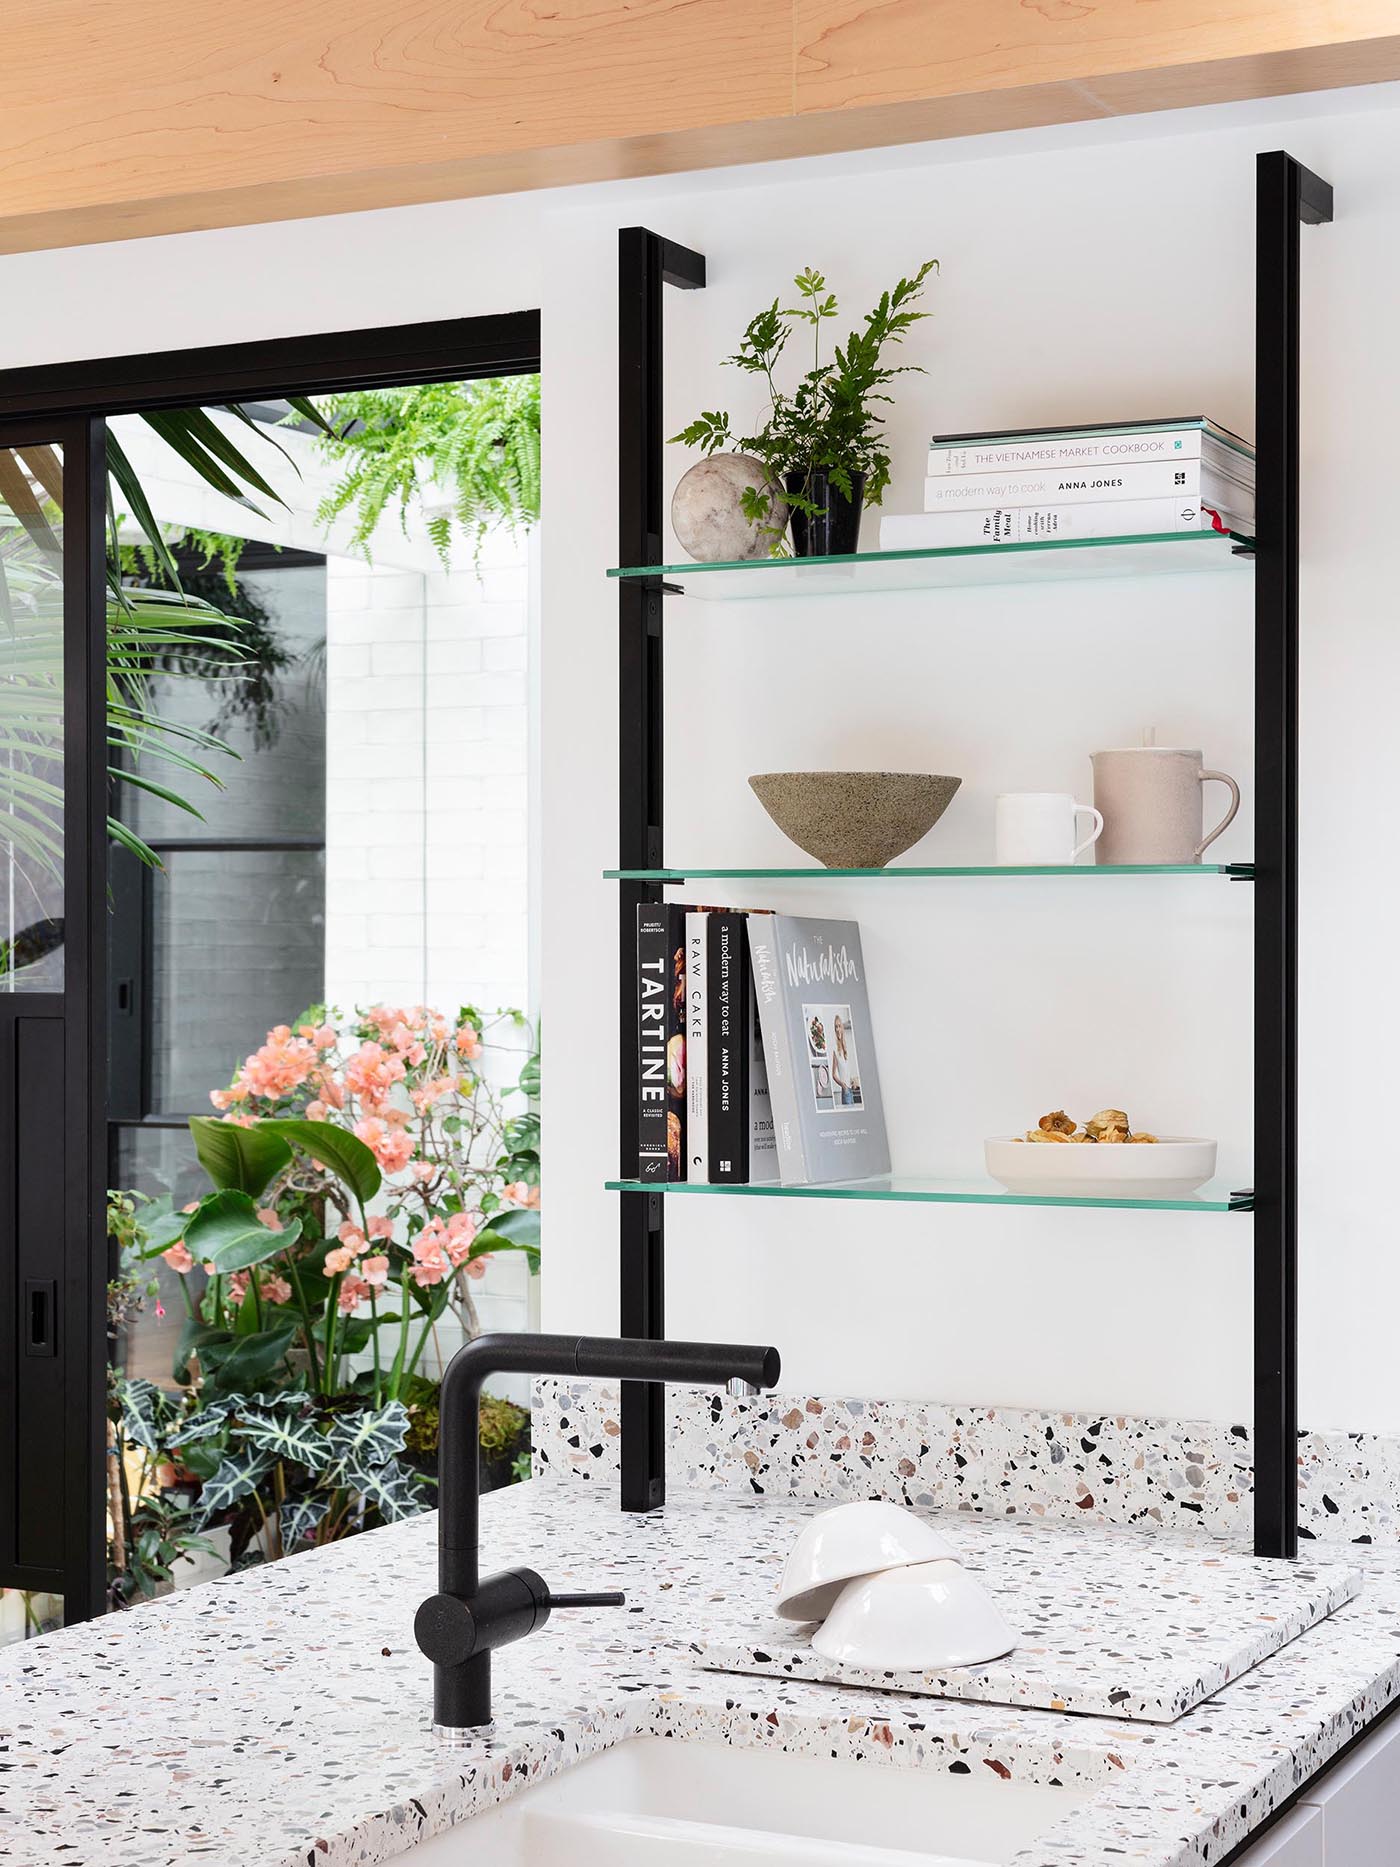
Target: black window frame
{"type": "Point", "coordinates": [81, 396]}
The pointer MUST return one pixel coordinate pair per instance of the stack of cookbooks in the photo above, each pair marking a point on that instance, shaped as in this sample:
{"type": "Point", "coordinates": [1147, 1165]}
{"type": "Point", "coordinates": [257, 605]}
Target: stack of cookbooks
{"type": "Point", "coordinates": [755, 1059]}
{"type": "Point", "coordinates": [1178, 474]}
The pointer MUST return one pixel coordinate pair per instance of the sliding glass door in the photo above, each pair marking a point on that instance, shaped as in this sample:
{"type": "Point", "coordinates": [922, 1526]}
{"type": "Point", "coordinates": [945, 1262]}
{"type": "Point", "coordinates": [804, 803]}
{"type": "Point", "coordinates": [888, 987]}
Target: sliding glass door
{"type": "Point", "coordinates": [52, 1050]}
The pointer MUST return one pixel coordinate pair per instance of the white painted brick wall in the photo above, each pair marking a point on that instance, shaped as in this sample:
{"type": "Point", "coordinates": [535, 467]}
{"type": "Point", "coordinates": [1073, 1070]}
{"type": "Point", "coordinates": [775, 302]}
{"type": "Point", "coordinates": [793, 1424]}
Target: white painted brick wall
{"type": "Point", "coordinates": [427, 805]}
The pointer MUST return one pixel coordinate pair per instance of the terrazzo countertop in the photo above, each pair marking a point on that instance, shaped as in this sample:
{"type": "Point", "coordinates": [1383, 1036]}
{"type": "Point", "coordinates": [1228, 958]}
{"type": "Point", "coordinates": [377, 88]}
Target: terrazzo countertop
{"type": "Point", "coordinates": [280, 1718]}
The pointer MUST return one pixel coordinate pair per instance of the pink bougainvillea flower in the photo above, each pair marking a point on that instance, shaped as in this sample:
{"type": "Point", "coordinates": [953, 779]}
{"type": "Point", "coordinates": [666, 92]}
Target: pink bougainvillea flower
{"type": "Point", "coordinates": [225, 1098]}
{"type": "Point", "coordinates": [521, 1194]}
{"type": "Point", "coordinates": [268, 1216]}
{"type": "Point", "coordinates": [275, 1290]}
{"type": "Point", "coordinates": [426, 1094]}
{"type": "Point", "coordinates": [431, 1262]}
{"type": "Point", "coordinates": [381, 1227]}
{"type": "Point", "coordinates": [242, 1121]}
{"type": "Point", "coordinates": [279, 1066]}
{"type": "Point", "coordinates": [375, 1271]}
{"type": "Point", "coordinates": [476, 1267]}
{"type": "Point", "coordinates": [352, 1293]}
{"type": "Point", "coordinates": [392, 1148]}
{"type": "Point", "coordinates": [331, 1092]}
{"type": "Point", "coordinates": [238, 1286]}
{"type": "Point", "coordinates": [340, 1259]}
{"type": "Point", "coordinates": [316, 1111]}
{"type": "Point", "coordinates": [468, 1043]}
{"type": "Point", "coordinates": [350, 1234]}
{"type": "Point", "coordinates": [178, 1257]}
{"type": "Point", "coordinates": [423, 1171]}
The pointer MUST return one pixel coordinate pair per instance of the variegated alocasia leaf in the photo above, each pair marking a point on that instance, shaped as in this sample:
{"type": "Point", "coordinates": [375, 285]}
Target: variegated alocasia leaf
{"type": "Point", "coordinates": [235, 1478]}
{"type": "Point", "coordinates": [297, 1440]}
{"type": "Point", "coordinates": [206, 1424]}
{"type": "Point", "coordinates": [301, 1516]}
{"type": "Point", "coordinates": [368, 1438]}
{"type": "Point", "coordinates": [394, 1491]}
{"type": "Point", "coordinates": [147, 1414]}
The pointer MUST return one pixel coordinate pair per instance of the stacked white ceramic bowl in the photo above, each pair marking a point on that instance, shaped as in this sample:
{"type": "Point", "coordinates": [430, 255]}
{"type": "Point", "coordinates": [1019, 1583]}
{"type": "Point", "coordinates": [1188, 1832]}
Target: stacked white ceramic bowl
{"type": "Point", "coordinates": [890, 1593]}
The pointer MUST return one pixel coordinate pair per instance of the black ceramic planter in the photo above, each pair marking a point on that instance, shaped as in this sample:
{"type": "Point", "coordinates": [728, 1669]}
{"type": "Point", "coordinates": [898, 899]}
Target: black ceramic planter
{"type": "Point", "coordinates": [834, 529]}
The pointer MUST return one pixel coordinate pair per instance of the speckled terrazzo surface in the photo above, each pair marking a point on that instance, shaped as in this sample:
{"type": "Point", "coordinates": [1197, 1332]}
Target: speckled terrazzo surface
{"type": "Point", "coordinates": [999, 1462]}
{"type": "Point", "coordinates": [279, 1719]}
{"type": "Point", "coordinates": [1128, 1627]}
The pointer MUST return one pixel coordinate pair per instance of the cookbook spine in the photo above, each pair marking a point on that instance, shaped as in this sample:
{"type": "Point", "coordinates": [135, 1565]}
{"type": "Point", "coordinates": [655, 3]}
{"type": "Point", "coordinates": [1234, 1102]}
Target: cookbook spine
{"type": "Point", "coordinates": [697, 1146]}
{"type": "Point", "coordinates": [1157, 479]}
{"type": "Point", "coordinates": [946, 457]}
{"type": "Point", "coordinates": [779, 1061]}
{"type": "Point", "coordinates": [652, 997]}
{"type": "Point", "coordinates": [728, 1060]}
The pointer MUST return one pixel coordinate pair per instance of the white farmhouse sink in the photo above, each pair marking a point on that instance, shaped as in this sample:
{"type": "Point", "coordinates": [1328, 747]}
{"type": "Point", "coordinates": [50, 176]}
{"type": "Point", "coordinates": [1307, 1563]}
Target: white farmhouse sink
{"type": "Point", "coordinates": [652, 1800]}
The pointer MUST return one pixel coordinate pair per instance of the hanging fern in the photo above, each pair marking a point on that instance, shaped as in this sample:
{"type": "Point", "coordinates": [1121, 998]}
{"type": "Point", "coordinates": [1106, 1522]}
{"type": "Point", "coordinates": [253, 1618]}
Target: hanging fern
{"type": "Point", "coordinates": [478, 442]}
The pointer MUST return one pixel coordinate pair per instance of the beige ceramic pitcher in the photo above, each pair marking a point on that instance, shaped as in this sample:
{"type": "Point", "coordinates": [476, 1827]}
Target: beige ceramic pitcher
{"type": "Point", "coordinates": [1151, 801]}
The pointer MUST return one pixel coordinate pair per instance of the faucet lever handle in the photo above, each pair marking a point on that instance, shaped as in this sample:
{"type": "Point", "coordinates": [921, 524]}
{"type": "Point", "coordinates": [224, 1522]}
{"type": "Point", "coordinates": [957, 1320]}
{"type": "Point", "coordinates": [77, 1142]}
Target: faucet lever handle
{"type": "Point", "coordinates": [609, 1598]}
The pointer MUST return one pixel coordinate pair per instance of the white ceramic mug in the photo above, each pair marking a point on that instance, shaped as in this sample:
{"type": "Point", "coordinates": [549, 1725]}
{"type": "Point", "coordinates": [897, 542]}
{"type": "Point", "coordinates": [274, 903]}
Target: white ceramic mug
{"type": "Point", "coordinates": [1037, 829]}
{"type": "Point", "coordinates": [1151, 798]}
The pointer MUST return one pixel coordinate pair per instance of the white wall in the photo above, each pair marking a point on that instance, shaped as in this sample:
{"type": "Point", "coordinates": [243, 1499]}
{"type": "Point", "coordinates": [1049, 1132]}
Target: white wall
{"type": "Point", "coordinates": [1092, 272]}
{"type": "Point", "coordinates": [427, 738]}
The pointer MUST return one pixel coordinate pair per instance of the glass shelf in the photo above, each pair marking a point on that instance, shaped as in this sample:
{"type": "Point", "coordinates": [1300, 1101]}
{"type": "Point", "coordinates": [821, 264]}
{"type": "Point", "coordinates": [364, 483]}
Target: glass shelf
{"type": "Point", "coordinates": [1053, 560]}
{"type": "Point", "coordinates": [1214, 1196]}
{"type": "Point", "coordinates": [1235, 871]}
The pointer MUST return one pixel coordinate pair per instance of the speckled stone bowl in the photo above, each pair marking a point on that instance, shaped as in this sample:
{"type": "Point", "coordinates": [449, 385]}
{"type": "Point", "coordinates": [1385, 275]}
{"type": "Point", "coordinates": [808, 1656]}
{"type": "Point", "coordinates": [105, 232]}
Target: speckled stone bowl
{"type": "Point", "coordinates": [854, 819]}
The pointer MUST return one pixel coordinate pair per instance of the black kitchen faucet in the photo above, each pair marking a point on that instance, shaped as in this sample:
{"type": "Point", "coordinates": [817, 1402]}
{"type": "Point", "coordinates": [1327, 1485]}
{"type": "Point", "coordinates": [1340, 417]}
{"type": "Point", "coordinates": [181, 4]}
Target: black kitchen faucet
{"type": "Point", "coordinates": [459, 1627]}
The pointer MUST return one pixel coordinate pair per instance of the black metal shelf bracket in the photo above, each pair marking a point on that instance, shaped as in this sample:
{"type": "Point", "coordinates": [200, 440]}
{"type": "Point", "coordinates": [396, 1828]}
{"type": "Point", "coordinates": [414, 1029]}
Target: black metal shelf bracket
{"type": "Point", "coordinates": [1288, 197]}
{"type": "Point", "coordinates": [646, 265]}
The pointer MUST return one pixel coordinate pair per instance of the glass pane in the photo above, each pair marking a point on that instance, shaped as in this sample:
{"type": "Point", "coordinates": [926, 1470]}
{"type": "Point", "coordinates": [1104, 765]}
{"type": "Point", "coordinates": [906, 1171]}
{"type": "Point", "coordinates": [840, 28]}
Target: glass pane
{"type": "Point", "coordinates": [1237, 871]}
{"type": "Point", "coordinates": [271, 713]}
{"type": "Point", "coordinates": [155, 1161]}
{"type": "Point", "coordinates": [238, 944]}
{"type": "Point", "coordinates": [1051, 561]}
{"type": "Point", "coordinates": [25, 1612]}
{"type": "Point", "coordinates": [31, 720]}
{"type": "Point", "coordinates": [1213, 1197]}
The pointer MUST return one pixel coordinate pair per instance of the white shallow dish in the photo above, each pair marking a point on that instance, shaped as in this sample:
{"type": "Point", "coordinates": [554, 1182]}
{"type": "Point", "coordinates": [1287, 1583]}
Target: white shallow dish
{"type": "Point", "coordinates": [1169, 1168]}
{"type": "Point", "coordinates": [852, 1540]}
{"type": "Point", "coordinates": [918, 1619]}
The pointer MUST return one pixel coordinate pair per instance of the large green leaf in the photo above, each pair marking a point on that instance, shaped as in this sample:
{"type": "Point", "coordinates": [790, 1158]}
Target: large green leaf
{"type": "Point", "coordinates": [343, 1153]}
{"type": "Point", "coordinates": [227, 1233]}
{"type": "Point", "coordinates": [197, 1338]}
{"type": "Point", "coordinates": [251, 1359]}
{"type": "Point", "coordinates": [239, 1159]}
{"type": "Point", "coordinates": [516, 1229]}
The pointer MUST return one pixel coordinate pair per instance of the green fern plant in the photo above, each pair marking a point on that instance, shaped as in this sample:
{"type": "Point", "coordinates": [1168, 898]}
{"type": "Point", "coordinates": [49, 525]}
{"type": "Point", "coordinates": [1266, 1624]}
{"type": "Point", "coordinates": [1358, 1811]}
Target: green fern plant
{"type": "Point", "coordinates": [479, 441]}
{"type": "Point", "coordinates": [833, 420]}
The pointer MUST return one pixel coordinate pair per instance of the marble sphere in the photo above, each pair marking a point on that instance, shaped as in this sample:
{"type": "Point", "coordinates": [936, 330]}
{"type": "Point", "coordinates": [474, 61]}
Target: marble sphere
{"type": "Point", "coordinates": [708, 516]}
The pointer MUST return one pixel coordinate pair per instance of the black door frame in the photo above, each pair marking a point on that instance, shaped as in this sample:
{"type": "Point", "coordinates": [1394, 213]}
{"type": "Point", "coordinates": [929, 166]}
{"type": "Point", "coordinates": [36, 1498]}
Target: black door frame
{"type": "Point", "coordinates": [69, 403]}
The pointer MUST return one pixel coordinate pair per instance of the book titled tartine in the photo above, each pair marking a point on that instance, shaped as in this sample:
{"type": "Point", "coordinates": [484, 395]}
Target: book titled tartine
{"type": "Point", "coordinates": [809, 977]}
{"type": "Point", "coordinates": [661, 1077]}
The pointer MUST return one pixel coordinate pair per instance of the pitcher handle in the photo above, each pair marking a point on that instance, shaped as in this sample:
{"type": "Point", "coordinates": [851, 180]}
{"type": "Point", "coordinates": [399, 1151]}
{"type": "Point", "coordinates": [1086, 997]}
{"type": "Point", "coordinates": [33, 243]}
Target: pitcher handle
{"type": "Point", "coordinates": [1087, 810]}
{"type": "Point", "coordinates": [1222, 777]}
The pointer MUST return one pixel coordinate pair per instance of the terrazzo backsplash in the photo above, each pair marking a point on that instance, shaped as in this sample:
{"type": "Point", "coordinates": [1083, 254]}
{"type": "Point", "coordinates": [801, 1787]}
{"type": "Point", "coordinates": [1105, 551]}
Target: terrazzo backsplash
{"type": "Point", "coordinates": [988, 1461]}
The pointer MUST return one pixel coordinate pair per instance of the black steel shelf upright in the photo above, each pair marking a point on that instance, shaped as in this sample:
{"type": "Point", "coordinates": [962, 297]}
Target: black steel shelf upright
{"type": "Point", "coordinates": [1288, 197]}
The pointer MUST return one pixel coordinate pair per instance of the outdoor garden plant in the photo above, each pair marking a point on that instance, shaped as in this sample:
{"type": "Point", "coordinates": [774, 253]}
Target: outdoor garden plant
{"type": "Point", "coordinates": [361, 1177]}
